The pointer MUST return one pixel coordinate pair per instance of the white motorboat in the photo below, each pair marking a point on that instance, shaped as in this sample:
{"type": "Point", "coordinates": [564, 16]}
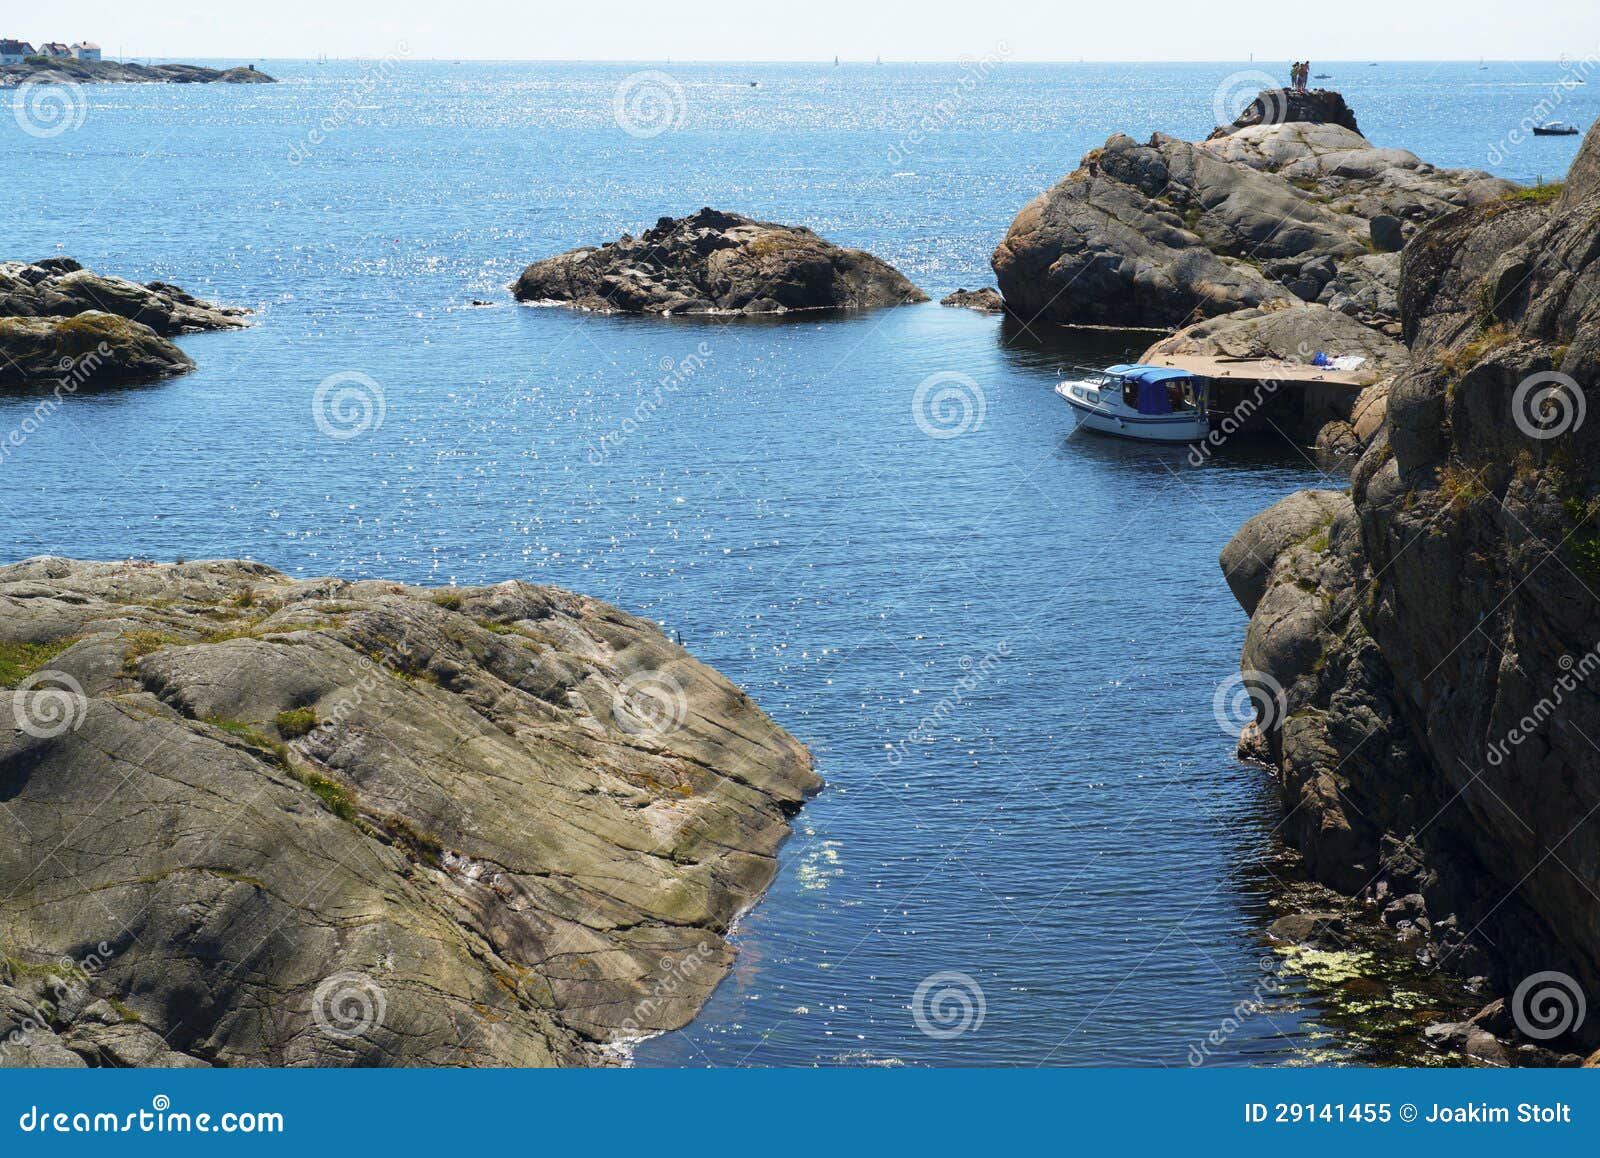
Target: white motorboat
{"type": "Point", "coordinates": [1149, 403]}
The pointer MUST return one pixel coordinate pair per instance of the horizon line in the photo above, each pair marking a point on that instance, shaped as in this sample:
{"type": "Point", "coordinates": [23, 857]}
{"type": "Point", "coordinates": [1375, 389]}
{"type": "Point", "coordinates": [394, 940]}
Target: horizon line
{"type": "Point", "coordinates": [998, 58]}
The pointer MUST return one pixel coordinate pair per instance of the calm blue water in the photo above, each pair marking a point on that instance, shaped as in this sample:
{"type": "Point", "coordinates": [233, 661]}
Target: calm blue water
{"type": "Point", "coordinates": [1074, 834]}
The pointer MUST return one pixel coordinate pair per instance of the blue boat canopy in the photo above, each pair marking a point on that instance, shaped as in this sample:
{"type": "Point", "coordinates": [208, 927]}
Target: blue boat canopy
{"type": "Point", "coordinates": [1152, 380]}
{"type": "Point", "coordinates": [1142, 373]}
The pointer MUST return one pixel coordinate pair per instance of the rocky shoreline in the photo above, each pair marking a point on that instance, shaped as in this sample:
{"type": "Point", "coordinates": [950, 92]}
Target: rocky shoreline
{"type": "Point", "coordinates": [55, 70]}
{"type": "Point", "coordinates": [62, 326]}
{"type": "Point", "coordinates": [363, 823]}
{"type": "Point", "coordinates": [1421, 648]}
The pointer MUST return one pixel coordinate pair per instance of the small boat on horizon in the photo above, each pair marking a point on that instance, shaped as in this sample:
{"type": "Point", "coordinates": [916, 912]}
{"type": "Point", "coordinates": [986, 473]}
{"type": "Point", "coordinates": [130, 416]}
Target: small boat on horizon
{"type": "Point", "coordinates": [1555, 129]}
{"type": "Point", "coordinates": [1146, 403]}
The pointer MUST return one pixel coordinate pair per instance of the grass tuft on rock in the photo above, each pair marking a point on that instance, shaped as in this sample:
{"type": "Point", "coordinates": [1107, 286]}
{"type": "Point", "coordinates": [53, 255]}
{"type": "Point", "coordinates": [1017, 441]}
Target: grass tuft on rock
{"type": "Point", "coordinates": [1540, 194]}
{"type": "Point", "coordinates": [296, 722]}
{"type": "Point", "coordinates": [18, 661]}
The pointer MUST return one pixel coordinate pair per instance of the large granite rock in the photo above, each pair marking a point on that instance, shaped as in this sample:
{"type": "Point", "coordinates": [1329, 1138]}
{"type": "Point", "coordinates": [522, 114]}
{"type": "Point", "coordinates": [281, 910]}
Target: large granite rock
{"type": "Point", "coordinates": [713, 262]}
{"type": "Point", "coordinates": [1437, 644]}
{"type": "Point", "coordinates": [1168, 232]}
{"type": "Point", "coordinates": [254, 821]}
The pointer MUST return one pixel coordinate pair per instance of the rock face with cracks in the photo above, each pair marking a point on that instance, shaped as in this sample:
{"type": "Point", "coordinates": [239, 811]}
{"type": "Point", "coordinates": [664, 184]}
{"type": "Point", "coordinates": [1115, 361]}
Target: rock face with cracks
{"type": "Point", "coordinates": [1434, 633]}
{"type": "Point", "coordinates": [257, 821]}
{"type": "Point", "coordinates": [1283, 209]}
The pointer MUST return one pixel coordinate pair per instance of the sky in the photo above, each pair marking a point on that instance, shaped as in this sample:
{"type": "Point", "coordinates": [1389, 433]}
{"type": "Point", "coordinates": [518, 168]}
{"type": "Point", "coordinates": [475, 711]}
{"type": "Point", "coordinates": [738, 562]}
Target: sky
{"type": "Point", "coordinates": [653, 30]}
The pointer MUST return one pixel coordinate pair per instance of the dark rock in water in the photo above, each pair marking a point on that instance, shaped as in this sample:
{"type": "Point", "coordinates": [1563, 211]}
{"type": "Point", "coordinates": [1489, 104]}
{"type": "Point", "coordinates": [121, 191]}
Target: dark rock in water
{"type": "Point", "coordinates": [364, 823]}
{"type": "Point", "coordinates": [60, 287]}
{"type": "Point", "coordinates": [56, 70]}
{"type": "Point", "coordinates": [714, 262]}
{"type": "Point", "coordinates": [985, 300]}
{"type": "Point", "coordinates": [1320, 930]}
{"type": "Point", "coordinates": [1281, 106]}
{"type": "Point", "coordinates": [1437, 646]}
{"type": "Point", "coordinates": [1168, 232]}
{"type": "Point", "coordinates": [89, 349]}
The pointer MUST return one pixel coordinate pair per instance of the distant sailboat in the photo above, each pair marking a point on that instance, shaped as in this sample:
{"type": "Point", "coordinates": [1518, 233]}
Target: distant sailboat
{"type": "Point", "coordinates": [878, 60]}
{"type": "Point", "coordinates": [836, 62]}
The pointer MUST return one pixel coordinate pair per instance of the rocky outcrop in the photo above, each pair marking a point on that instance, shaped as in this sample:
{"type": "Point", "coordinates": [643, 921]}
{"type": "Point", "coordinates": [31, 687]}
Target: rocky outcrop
{"type": "Point", "coordinates": [713, 262]}
{"type": "Point", "coordinates": [1168, 232]}
{"type": "Point", "coordinates": [1435, 643]}
{"type": "Point", "coordinates": [65, 327]}
{"type": "Point", "coordinates": [59, 71]}
{"type": "Point", "coordinates": [1277, 106]}
{"type": "Point", "coordinates": [60, 287]}
{"type": "Point", "coordinates": [87, 350]}
{"type": "Point", "coordinates": [259, 821]}
{"type": "Point", "coordinates": [985, 300]}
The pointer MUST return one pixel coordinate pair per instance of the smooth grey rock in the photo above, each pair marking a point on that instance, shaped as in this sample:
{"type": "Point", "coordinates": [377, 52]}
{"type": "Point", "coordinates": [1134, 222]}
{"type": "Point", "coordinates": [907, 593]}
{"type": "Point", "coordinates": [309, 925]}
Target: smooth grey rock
{"type": "Point", "coordinates": [491, 826]}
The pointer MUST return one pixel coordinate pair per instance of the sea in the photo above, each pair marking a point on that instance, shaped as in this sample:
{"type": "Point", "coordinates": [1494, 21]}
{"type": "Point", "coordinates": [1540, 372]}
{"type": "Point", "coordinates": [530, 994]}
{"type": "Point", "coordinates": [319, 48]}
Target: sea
{"type": "Point", "coordinates": [1007, 643]}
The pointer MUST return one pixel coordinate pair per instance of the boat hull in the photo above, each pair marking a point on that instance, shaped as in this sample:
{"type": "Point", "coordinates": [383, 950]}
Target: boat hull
{"type": "Point", "coordinates": [1178, 428]}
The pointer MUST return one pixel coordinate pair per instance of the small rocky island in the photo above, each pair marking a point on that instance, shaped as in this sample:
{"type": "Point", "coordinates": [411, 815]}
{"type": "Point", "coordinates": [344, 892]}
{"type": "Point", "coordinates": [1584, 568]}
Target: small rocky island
{"type": "Point", "coordinates": [1423, 648]}
{"type": "Point", "coordinates": [716, 263]}
{"type": "Point", "coordinates": [363, 823]}
{"type": "Point", "coordinates": [62, 323]}
{"type": "Point", "coordinates": [66, 70]}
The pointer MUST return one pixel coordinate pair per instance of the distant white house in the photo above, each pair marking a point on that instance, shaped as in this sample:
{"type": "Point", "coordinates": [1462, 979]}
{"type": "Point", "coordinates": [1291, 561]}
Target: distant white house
{"type": "Point", "coordinates": [88, 50]}
{"type": "Point", "coordinates": [56, 49]}
{"type": "Point", "coordinates": [14, 51]}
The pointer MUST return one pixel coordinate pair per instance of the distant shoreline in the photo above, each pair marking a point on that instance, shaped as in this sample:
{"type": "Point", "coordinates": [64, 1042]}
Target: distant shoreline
{"type": "Point", "coordinates": [63, 71]}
